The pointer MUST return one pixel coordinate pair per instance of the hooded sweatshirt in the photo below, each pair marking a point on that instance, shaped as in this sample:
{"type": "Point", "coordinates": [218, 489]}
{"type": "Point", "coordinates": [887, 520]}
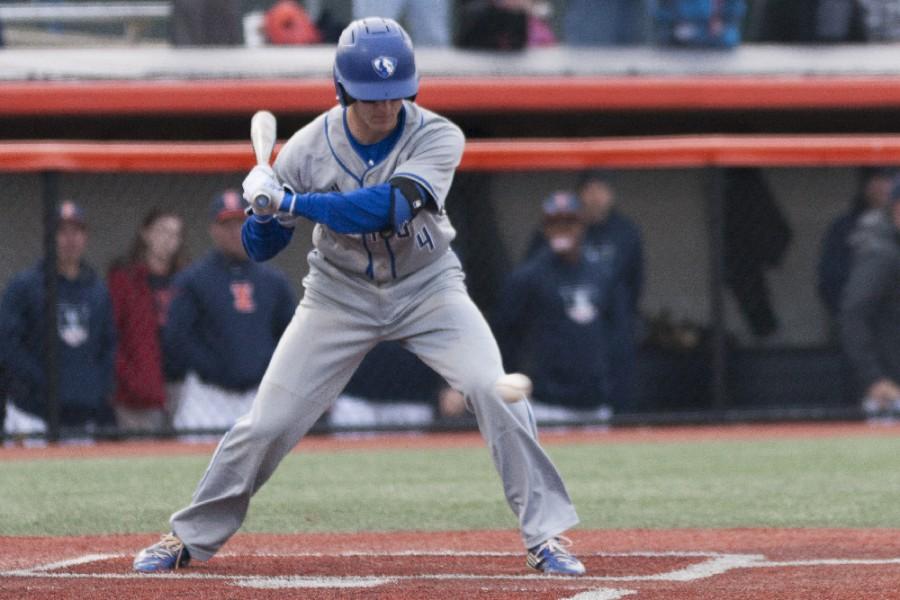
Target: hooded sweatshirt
{"type": "Point", "coordinates": [870, 306]}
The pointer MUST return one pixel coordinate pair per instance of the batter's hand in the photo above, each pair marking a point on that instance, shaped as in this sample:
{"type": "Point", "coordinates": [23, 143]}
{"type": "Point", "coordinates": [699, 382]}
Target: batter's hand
{"type": "Point", "coordinates": [263, 191]}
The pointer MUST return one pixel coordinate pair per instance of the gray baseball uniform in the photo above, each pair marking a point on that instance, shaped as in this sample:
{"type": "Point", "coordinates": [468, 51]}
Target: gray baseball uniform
{"type": "Point", "coordinates": [361, 290]}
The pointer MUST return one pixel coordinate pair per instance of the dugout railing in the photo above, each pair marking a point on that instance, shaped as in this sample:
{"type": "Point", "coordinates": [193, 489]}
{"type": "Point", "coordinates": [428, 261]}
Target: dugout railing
{"type": "Point", "coordinates": [121, 176]}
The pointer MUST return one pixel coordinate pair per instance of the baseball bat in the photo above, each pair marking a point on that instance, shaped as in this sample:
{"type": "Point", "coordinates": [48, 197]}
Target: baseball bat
{"type": "Point", "coordinates": [263, 130]}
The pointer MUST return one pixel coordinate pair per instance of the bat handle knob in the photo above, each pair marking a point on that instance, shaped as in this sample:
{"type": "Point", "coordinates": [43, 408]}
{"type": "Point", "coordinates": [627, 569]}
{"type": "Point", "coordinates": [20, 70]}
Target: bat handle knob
{"type": "Point", "coordinates": [261, 200]}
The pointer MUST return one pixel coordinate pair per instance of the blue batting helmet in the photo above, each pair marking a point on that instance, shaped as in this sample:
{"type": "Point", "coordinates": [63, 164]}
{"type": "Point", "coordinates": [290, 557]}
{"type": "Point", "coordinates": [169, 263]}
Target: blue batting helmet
{"type": "Point", "coordinates": [374, 61]}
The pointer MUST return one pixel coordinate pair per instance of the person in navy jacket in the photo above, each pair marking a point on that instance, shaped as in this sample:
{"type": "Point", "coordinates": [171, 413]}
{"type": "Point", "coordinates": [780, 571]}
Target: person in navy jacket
{"type": "Point", "coordinates": [836, 256]}
{"type": "Point", "coordinates": [225, 319]}
{"type": "Point", "coordinates": [86, 335]}
{"type": "Point", "coordinates": [612, 241]}
{"type": "Point", "coordinates": [553, 319]}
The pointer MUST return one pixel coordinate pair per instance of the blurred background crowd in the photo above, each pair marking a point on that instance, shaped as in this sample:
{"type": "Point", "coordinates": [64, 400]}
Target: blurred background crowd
{"type": "Point", "coordinates": [483, 24]}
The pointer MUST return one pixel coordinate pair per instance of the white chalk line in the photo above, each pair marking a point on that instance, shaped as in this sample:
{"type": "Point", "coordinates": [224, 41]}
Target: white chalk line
{"type": "Point", "coordinates": [602, 594]}
{"type": "Point", "coordinates": [62, 564]}
{"type": "Point", "coordinates": [715, 563]}
{"type": "Point", "coordinates": [443, 553]}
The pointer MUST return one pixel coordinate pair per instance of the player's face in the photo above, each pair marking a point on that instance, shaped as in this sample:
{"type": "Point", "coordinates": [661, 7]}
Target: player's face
{"type": "Point", "coordinates": [371, 122]}
{"type": "Point", "coordinates": [227, 237]}
{"type": "Point", "coordinates": [597, 198]}
{"type": "Point", "coordinates": [71, 242]}
{"type": "Point", "coordinates": [563, 234]}
{"type": "Point", "coordinates": [163, 237]}
{"type": "Point", "coordinates": [878, 190]}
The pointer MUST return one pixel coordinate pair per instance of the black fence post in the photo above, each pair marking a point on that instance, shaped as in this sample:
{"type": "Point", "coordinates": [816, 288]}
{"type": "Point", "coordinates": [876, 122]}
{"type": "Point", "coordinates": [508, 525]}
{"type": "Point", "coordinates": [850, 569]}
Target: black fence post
{"type": "Point", "coordinates": [50, 198]}
{"type": "Point", "coordinates": [719, 348]}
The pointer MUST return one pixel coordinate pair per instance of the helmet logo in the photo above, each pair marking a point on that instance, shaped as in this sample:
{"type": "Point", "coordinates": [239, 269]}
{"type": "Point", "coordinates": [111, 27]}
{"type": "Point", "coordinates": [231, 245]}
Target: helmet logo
{"type": "Point", "coordinates": [384, 66]}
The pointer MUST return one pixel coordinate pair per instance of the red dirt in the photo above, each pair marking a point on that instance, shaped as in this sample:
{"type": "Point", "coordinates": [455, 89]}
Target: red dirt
{"type": "Point", "coordinates": [625, 556]}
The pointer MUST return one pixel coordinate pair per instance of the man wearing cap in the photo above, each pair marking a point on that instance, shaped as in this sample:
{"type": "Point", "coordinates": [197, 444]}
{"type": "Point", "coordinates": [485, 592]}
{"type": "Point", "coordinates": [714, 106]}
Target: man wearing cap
{"type": "Point", "coordinates": [85, 345]}
{"type": "Point", "coordinates": [613, 242]}
{"type": "Point", "coordinates": [224, 304]}
{"type": "Point", "coordinates": [552, 320]}
{"type": "Point", "coordinates": [870, 307]}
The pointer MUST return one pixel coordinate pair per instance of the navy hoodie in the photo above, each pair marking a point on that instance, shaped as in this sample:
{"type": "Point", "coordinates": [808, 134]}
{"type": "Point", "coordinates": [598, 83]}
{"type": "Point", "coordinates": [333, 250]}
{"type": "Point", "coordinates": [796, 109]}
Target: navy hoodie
{"type": "Point", "coordinates": [553, 321]}
{"type": "Point", "coordinates": [86, 345]}
{"type": "Point", "coordinates": [226, 318]}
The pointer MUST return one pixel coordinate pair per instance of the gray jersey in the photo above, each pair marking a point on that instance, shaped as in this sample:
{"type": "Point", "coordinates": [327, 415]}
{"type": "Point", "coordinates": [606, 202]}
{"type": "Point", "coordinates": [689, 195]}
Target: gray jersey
{"type": "Point", "coordinates": [320, 158]}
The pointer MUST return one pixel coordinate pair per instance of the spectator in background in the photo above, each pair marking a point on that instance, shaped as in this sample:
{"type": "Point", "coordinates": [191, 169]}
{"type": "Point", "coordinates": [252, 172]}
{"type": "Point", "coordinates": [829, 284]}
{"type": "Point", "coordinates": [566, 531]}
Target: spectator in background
{"type": "Point", "coordinates": [553, 319]}
{"type": "Point", "coordinates": [881, 20]}
{"type": "Point", "coordinates": [225, 319]}
{"type": "Point", "coordinates": [606, 22]}
{"type": "Point", "coordinates": [812, 22]}
{"type": "Point", "coordinates": [870, 306]}
{"type": "Point", "coordinates": [206, 23]}
{"type": "Point", "coordinates": [505, 25]}
{"type": "Point", "coordinates": [140, 285]}
{"type": "Point", "coordinates": [613, 242]}
{"type": "Point", "coordinates": [286, 23]}
{"type": "Point", "coordinates": [85, 330]}
{"type": "Point", "coordinates": [698, 23]}
{"type": "Point", "coordinates": [834, 262]}
{"type": "Point", "coordinates": [373, 400]}
{"type": "Point", "coordinates": [428, 23]}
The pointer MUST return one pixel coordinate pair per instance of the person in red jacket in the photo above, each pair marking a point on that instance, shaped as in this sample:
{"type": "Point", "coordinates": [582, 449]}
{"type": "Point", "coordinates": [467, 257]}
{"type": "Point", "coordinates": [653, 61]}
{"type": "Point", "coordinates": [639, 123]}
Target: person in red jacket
{"type": "Point", "coordinates": [140, 287]}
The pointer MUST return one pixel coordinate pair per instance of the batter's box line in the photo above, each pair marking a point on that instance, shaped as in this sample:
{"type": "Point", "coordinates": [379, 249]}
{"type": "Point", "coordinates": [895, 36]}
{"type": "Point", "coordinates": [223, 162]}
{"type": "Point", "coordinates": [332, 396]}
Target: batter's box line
{"type": "Point", "coordinates": [89, 558]}
{"type": "Point", "coordinates": [465, 553]}
{"type": "Point", "coordinates": [715, 565]}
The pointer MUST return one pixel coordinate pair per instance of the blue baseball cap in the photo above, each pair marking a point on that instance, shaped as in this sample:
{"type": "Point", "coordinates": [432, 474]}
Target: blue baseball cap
{"type": "Point", "coordinates": [561, 204]}
{"type": "Point", "coordinates": [69, 212]}
{"type": "Point", "coordinates": [227, 205]}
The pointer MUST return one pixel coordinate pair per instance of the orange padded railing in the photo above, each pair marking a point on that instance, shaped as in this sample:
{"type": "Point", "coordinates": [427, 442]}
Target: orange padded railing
{"type": "Point", "coordinates": [480, 155]}
{"type": "Point", "coordinates": [464, 94]}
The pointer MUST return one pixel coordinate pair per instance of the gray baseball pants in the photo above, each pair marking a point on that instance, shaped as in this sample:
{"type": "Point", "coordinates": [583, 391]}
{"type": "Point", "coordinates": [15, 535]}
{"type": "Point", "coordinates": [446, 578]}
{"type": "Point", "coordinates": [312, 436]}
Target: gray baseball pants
{"type": "Point", "coordinates": [341, 318]}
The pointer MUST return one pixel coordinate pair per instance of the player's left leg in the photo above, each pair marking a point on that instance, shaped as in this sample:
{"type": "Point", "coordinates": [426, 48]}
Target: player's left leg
{"type": "Point", "coordinates": [448, 332]}
{"type": "Point", "coordinates": [315, 358]}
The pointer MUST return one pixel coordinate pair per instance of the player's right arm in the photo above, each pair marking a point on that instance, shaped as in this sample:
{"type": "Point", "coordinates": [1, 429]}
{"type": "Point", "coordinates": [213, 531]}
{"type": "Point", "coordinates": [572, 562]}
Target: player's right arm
{"type": "Point", "coordinates": [263, 234]}
{"type": "Point", "coordinates": [264, 238]}
{"type": "Point", "coordinates": [383, 207]}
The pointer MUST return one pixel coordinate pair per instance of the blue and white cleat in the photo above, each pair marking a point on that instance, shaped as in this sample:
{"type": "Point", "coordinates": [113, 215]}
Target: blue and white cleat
{"type": "Point", "coordinates": [553, 558]}
{"type": "Point", "coordinates": [167, 554]}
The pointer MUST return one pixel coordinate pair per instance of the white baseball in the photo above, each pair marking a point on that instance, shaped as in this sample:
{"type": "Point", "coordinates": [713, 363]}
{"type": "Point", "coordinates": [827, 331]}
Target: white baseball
{"type": "Point", "coordinates": [512, 387]}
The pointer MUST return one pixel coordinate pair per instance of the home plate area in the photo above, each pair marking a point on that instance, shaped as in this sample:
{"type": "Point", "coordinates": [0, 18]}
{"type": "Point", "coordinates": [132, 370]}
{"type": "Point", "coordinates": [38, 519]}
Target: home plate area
{"type": "Point", "coordinates": [413, 565]}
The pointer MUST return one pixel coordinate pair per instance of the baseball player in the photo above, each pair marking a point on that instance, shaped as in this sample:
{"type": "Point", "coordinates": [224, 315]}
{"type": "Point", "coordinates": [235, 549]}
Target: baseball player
{"type": "Point", "coordinates": [372, 173]}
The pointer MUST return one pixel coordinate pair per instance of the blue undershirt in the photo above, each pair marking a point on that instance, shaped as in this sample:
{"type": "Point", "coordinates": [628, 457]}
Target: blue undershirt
{"type": "Point", "coordinates": [372, 154]}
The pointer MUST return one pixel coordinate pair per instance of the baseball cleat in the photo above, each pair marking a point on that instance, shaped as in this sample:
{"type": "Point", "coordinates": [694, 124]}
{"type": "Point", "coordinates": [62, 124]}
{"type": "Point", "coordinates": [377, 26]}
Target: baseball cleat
{"type": "Point", "coordinates": [167, 554]}
{"type": "Point", "coordinates": [553, 558]}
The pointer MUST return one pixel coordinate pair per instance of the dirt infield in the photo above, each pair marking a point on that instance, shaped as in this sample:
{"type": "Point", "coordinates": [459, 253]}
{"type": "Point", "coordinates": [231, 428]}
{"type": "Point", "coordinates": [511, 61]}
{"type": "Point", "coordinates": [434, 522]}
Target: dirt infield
{"type": "Point", "coordinates": [796, 564]}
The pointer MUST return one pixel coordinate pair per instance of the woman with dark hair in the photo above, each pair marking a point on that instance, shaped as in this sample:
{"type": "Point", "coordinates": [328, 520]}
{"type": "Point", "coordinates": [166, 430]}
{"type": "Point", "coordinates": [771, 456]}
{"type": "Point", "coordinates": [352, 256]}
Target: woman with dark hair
{"type": "Point", "coordinates": [140, 285]}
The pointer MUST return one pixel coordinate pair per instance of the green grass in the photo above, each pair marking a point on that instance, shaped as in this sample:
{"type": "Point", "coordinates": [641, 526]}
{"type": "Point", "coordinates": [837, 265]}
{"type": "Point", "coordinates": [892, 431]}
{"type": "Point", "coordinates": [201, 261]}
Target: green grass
{"type": "Point", "coordinates": [841, 482]}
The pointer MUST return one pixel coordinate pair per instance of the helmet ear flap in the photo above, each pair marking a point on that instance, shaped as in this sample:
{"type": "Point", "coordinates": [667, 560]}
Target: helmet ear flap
{"type": "Point", "coordinates": [342, 96]}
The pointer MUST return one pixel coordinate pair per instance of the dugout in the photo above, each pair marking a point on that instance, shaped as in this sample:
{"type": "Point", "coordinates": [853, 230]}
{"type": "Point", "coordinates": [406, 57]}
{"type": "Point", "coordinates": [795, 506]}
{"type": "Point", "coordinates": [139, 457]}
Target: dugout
{"type": "Point", "coordinates": [162, 95]}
